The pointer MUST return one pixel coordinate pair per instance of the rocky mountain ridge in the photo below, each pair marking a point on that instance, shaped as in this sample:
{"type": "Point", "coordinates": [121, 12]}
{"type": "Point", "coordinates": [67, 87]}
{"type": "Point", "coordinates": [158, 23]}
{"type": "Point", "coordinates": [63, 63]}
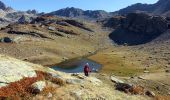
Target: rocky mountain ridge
{"type": "Point", "coordinates": [79, 13]}
{"type": "Point", "coordinates": [162, 7]}
{"type": "Point", "coordinates": [137, 28]}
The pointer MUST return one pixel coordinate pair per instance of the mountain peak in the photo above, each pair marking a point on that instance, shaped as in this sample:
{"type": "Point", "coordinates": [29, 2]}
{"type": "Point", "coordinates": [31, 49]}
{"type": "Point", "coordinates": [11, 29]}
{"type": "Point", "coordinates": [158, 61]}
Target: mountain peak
{"type": "Point", "coordinates": [76, 12]}
{"type": "Point", "coordinates": [2, 6]}
{"type": "Point", "coordinates": [161, 7]}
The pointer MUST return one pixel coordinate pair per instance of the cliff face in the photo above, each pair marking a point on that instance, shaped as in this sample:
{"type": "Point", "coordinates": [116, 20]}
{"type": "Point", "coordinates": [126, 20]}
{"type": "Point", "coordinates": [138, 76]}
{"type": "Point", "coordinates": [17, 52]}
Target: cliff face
{"type": "Point", "coordinates": [138, 28]}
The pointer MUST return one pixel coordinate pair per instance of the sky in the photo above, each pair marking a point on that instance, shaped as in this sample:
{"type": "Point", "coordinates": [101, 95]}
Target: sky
{"type": "Point", "coordinates": [52, 5]}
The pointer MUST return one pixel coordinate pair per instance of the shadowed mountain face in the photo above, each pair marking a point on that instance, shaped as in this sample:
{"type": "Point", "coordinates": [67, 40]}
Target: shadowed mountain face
{"type": "Point", "coordinates": [79, 13]}
{"type": "Point", "coordinates": [139, 28]}
{"type": "Point", "coordinates": [2, 6]}
{"type": "Point", "coordinates": [161, 7]}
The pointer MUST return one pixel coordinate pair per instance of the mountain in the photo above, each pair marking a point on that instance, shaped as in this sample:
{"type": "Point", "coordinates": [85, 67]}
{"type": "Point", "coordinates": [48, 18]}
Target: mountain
{"type": "Point", "coordinates": [2, 6]}
{"type": "Point", "coordinates": [79, 13]}
{"type": "Point", "coordinates": [161, 7]}
{"type": "Point", "coordinates": [9, 15]}
{"type": "Point", "coordinates": [138, 28]}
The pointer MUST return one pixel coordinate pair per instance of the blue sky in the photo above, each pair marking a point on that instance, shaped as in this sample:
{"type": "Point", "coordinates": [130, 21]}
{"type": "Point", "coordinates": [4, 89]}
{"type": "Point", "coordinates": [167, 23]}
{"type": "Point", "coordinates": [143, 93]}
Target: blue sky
{"type": "Point", "coordinates": [52, 5]}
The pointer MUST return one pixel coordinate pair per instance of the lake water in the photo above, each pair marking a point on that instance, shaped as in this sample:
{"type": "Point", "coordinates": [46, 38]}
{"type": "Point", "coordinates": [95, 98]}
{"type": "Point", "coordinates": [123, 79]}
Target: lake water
{"type": "Point", "coordinates": [77, 65]}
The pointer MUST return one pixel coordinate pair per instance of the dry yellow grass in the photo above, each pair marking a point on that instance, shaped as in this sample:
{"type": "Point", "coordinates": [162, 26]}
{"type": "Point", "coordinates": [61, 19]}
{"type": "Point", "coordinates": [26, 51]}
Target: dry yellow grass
{"type": "Point", "coordinates": [121, 61]}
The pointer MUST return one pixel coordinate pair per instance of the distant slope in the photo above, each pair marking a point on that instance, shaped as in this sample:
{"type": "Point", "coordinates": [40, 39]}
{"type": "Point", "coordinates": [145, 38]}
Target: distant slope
{"type": "Point", "coordinates": [161, 7]}
{"type": "Point", "coordinates": [79, 13]}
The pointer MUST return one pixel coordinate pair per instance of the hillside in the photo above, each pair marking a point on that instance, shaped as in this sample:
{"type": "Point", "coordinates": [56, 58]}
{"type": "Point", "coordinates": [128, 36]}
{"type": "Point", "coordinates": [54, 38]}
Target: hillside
{"type": "Point", "coordinates": [48, 40]}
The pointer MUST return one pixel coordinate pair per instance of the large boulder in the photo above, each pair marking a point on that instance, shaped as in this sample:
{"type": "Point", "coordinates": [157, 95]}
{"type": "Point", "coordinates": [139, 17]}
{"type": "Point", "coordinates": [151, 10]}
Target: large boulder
{"type": "Point", "coordinates": [12, 70]}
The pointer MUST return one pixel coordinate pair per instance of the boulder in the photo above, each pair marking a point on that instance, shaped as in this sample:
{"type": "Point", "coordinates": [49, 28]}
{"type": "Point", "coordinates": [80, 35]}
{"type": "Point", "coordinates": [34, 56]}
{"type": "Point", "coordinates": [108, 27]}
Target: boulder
{"type": "Point", "coordinates": [37, 87]}
{"type": "Point", "coordinates": [51, 28]}
{"type": "Point", "coordinates": [6, 40]}
{"type": "Point", "coordinates": [12, 70]}
{"type": "Point", "coordinates": [150, 93]}
{"type": "Point", "coordinates": [115, 80]}
{"type": "Point", "coordinates": [127, 88]}
{"type": "Point", "coordinates": [24, 19]}
{"type": "Point", "coordinates": [123, 87]}
{"type": "Point", "coordinates": [146, 71]}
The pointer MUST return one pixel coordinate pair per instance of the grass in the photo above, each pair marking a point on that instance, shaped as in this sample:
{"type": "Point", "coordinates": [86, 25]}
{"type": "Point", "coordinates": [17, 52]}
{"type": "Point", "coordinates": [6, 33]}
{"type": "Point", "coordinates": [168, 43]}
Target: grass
{"type": "Point", "coordinates": [118, 65]}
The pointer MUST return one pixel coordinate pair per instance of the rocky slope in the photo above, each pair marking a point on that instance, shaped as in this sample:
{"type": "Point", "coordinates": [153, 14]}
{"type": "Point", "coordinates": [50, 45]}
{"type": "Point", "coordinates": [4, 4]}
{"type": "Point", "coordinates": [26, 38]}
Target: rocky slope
{"type": "Point", "coordinates": [9, 15]}
{"type": "Point", "coordinates": [29, 81]}
{"type": "Point", "coordinates": [51, 38]}
{"type": "Point", "coordinates": [139, 28]}
{"type": "Point", "coordinates": [162, 7]}
{"type": "Point", "coordinates": [81, 14]}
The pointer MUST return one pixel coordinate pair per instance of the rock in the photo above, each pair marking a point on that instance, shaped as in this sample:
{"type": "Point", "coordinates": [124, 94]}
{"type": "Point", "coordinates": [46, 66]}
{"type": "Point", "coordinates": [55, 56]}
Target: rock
{"type": "Point", "coordinates": [128, 88]}
{"type": "Point", "coordinates": [113, 22]}
{"type": "Point", "coordinates": [62, 23]}
{"type": "Point", "coordinates": [146, 71]}
{"type": "Point", "coordinates": [38, 86]}
{"type": "Point", "coordinates": [51, 28]}
{"type": "Point", "coordinates": [65, 58]}
{"type": "Point", "coordinates": [140, 77]}
{"type": "Point", "coordinates": [32, 12]}
{"type": "Point", "coordinates": [12, 70]}
{"type": "Point", "coordinates": [56, 76]}
{"type": "Point", "coordinates": [50, 95]}
{"type": "Point", "coordinates": [6, 40]}
{"type": "Point", "coordinates": [115, 80]}
{"type": "Point", "coordinates": [123, 87]}
{"type": "Point", "coordinates": [81, 76]}
{"type": "Point", "coordinates": [3, 84]}
{"type": "Point", "coordinates": [74, 74]}
{"type": "Point", "coordinates": [74, 81]}
{"type": "Point", "coordinates": [24, 19]}
{"type": "Point", "coordinates": [150, 93]}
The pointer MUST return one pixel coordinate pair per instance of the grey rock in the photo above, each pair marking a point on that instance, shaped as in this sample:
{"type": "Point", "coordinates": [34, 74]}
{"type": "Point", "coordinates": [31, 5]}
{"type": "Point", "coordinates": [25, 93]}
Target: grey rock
{"type": "Point", "coordinates": [146, 71]}
{"type": "Point", "coordinates": [40, 85]}
{"type": "Point", "coordinates": [150, 93]}
{"type": "Point", "coordinates": [24, 19]}
{"type": "Point", "coordinates": [74, 81]}
{"type": "Point", "coordinates": [6, 40]}
{"type": "Point", "coordinates": [115, 80]}
{"type": "Point", "coordinates": [51, 28]}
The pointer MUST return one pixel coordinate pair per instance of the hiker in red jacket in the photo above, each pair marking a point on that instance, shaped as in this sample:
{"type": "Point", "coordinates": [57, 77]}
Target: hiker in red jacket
{"type": "Point", "coordinates": [86, 69]}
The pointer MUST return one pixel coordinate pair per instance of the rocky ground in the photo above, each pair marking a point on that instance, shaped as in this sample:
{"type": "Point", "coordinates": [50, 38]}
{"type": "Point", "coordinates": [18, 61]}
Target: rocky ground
{"type": "Point", "coordinates": [140, 71]}
{"type": "Point", "coordinates": [39, 83]}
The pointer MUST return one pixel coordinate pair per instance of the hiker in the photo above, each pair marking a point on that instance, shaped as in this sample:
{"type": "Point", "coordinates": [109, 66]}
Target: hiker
{"type": "Point", "coordinates": [86, 69]}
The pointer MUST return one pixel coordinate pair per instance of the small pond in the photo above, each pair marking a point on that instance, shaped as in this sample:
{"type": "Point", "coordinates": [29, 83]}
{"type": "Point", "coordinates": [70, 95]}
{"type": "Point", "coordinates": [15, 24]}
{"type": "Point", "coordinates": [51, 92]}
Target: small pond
{"type": "Point", "coordinates": [77, 65]}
